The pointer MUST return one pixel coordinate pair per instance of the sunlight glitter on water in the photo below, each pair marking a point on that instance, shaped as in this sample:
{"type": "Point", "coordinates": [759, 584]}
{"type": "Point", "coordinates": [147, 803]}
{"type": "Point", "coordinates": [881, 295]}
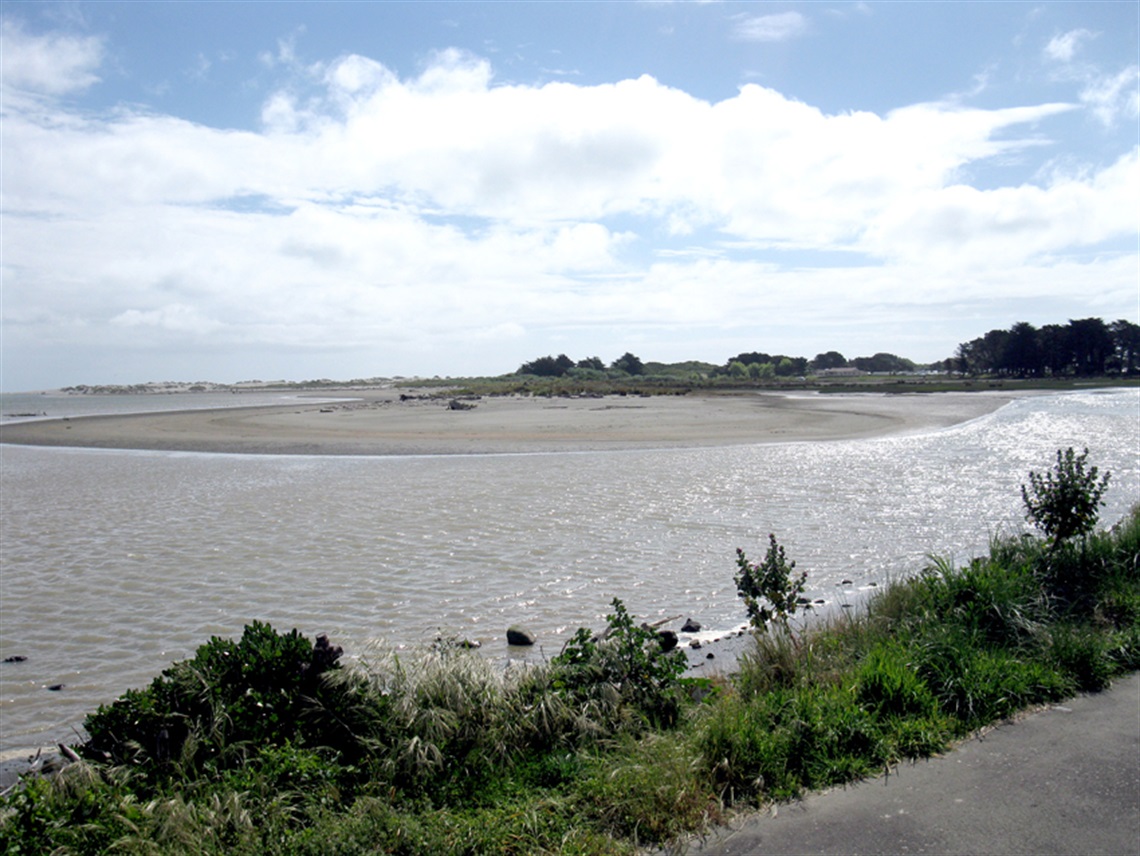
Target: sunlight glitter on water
{"type": "Point", "coordinates": [116, 563]}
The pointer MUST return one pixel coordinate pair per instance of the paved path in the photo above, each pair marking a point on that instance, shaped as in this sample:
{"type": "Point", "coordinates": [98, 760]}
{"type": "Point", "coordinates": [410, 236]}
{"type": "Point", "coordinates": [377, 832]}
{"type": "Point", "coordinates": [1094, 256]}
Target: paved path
{"type": "Point", "coordinates": [1065, 780]}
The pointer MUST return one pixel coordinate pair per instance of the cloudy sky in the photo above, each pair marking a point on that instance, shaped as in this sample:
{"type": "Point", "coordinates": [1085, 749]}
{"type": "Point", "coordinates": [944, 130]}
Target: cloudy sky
{"type": "Point", "coordinates": [229, 191]}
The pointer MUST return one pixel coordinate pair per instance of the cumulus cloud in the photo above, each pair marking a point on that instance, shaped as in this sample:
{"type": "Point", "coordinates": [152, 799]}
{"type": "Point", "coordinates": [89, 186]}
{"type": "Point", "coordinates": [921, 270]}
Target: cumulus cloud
{"type": "Point", "coordinates": [1064, 46]}
{"type": "Point", "coordinates": [769, 28]}
{"type": "Point", "coordinates": [961, 226]}
{"type": "Point", "coordinates": [50, 64]}
{"type": "Point", "coordinates": [379, 212]}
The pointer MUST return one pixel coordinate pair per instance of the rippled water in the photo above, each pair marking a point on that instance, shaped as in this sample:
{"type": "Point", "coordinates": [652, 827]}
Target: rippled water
{"type": "Point", "coordinates": [117, 563]}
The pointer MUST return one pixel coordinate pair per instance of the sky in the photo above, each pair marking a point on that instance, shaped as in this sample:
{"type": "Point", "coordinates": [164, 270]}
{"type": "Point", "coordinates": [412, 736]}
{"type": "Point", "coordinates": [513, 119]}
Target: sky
{"type": "Point", "coordinates": [230, 191]}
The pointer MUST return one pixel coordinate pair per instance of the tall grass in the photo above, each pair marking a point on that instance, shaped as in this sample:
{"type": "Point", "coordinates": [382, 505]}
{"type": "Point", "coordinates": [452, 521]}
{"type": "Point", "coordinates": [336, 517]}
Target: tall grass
{"type": "Point", "coordinates": [604, 751]}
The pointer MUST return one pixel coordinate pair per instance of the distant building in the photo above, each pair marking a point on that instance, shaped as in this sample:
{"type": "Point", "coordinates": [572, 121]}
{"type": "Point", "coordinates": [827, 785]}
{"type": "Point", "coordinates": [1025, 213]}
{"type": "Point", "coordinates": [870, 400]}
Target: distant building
{"type": "Point", "coordinates": [846, 371]}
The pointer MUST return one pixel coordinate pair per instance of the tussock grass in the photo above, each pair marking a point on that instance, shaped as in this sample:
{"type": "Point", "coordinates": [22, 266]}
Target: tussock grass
{"type": "Point", "coordinates": [604, 752]}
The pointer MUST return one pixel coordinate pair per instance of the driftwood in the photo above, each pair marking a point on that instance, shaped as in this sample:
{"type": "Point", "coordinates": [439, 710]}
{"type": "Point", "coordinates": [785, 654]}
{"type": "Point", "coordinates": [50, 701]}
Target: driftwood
{"type": "Point", "coordinates": [646, 625]}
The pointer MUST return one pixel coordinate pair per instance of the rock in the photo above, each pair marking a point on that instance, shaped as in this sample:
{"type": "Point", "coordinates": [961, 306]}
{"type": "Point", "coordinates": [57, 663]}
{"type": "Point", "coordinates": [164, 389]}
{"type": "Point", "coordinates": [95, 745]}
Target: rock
{"type": "Point", "coordinates": [668, 640]}
{"type": "Point", "coordinates": [55, 687]}
{"type": "Point", "coordinates": [325, 654]}
{"type": "Point", "coordinates": [710, 656]}
{"type": "Point", "coordinates": [691, 626]}
{"type": "Point", "coordinates": [695, 644]}
{"type": "Point", "coordinates": [845, 583]}
{"type": "Point", "coordinates": [520, 636]}
{"type": "Point", "coordinates": [15, 658]}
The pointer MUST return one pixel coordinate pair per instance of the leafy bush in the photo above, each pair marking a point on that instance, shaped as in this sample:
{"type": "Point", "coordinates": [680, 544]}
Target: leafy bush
{"type": "Point", "coordinates": [630, 660]}
{"type": "Point", "coordinates": [262, 690]}
{"type": "Point", "coordinates": [1063, 503]}
{"type": "Point", "coordinates": [772, 581]}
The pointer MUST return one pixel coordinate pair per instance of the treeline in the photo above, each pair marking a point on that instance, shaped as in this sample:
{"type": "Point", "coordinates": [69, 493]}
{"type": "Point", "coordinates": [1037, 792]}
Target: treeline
{"type": "Point", "coordinates": [1084, 348]}
{"type": "Point", "coordinates": [758, 365]}
{"type": "Point", "coordinates": [591, 368]}
{"type": "Point", "coordinates": [755, 365]}
{"type": "Point", "coordinates": [1088, 347]}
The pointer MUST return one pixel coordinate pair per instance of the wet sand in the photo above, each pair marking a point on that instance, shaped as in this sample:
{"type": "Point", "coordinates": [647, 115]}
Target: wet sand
{"type": "Point", "coordinates": [381, 424]}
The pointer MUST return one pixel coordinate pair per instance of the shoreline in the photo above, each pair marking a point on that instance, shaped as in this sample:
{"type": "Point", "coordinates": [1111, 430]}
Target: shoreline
{"type": "Point", "coordinates": [383, 423]}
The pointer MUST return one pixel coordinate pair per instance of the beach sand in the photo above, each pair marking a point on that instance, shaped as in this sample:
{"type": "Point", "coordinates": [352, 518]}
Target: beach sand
{"type": "Point", "coordinates": [380, 423]}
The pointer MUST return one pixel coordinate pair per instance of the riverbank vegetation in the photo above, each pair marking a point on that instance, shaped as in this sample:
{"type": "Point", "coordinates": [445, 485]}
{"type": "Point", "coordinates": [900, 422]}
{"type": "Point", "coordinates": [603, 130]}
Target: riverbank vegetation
{"type": "Point", "coordinates": [1082, 353]}
{"type": "Point", "coordinates": [275, 744]}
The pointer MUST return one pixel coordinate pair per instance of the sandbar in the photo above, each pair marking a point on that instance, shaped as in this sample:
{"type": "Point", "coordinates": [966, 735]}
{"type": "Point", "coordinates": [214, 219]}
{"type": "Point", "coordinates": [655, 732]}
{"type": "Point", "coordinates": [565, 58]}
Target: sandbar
{"type": "Point", "coordinates": [387, 422]}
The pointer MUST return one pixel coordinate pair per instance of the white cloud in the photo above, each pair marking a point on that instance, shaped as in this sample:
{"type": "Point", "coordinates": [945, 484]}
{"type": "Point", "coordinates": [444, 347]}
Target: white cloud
{"type": "Point", "coordinates": [1111, 97]}
{"type": "Point", "coordinates": [959, 227]}
{"type": "Point", "coordinates": [385, 215]}
{"type": "Point", "coordinates": [51, 64]}
{"type": "Point", "coordinates": [1063, 47]}
{"type": "Point", "coordinates": [769, 28]}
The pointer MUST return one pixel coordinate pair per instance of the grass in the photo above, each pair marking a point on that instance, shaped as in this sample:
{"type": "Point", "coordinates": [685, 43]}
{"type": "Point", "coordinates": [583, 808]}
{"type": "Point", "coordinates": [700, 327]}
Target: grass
{"type": "Point", "coordinates": [606, 751]}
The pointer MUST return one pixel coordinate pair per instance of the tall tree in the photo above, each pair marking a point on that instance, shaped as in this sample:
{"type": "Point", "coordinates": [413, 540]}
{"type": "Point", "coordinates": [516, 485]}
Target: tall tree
{"type": "Point", "coordinates": [1092, 345]}
{"type": "Point", "coordinates": [1056, 349]}
{"type": "Point", "coordinates": [1022, 353]}
{"type": "Point", "coordinates": [965, 361]}
{"type": "Point", "coordinates": [1126, 343]}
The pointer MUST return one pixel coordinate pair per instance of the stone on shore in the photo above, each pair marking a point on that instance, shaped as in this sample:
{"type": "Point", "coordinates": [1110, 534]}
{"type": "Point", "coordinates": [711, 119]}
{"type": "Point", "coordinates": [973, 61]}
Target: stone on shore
{"type": "Point", "coordinates": [520, 636]}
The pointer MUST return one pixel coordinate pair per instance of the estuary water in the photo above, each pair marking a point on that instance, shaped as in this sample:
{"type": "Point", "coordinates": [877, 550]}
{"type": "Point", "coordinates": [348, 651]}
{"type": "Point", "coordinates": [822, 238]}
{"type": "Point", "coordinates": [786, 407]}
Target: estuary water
{"type": "Point", "coordinates": [115, 564]}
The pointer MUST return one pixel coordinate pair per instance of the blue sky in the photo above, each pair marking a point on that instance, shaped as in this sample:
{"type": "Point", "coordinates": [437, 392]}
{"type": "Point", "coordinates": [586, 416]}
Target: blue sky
{"type": "Point", "coordinates": [228, 191]}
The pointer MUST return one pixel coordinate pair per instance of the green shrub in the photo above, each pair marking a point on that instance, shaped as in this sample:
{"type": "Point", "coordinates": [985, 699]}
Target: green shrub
{"type": "Point", "coordinates": [1064, 502]}
{"type": "Point", "coordinates": [770, 589]}
{"type": "Point", "coordinates": [260, 691]}
{"type": "Point", "coordinates": [628, 660]}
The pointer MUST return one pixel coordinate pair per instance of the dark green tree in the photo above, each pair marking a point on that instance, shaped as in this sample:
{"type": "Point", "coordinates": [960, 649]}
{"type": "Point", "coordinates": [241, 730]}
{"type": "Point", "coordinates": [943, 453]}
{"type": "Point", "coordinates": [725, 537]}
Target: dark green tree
{"type": "Point", "coordinates": [1126, 344]}
{"type": "Point", "coordinates": [830, 360]}
{"type": "Point", "coordinates": [1022, 353]}
{"type": "Point", "coordinates": [1092, 345]}
{"type": "Point", "coordinates": [629, 364]}
{"type": "Point", "coordinates": [1056, 349]}
{"type": "Point", "coordinates": [883, 363]}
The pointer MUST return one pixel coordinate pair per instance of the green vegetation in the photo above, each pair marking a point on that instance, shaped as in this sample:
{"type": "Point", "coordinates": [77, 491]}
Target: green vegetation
{"type": "Point", "coordinates": [1082, 353]}
{"type": "Point", "coordinates": [770, 591]}
{"type": "Point", "coordinates": [1087, 347]}
{"type": "Point", "coordinates": [272, 745]}
{"type": "Point", "coordinates": [1065, 502]}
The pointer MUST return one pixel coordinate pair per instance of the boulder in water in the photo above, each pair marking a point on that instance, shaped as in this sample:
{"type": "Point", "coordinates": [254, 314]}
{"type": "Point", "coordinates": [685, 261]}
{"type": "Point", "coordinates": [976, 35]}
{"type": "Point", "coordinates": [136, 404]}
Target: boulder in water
{"type": "Point", "coordinates": [520, 636]}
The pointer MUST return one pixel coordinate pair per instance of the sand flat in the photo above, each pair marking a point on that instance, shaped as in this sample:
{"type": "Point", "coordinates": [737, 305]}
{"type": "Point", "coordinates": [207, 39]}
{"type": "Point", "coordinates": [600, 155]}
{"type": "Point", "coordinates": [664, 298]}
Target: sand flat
{"type": "Point", "coordinates": [381, 424]}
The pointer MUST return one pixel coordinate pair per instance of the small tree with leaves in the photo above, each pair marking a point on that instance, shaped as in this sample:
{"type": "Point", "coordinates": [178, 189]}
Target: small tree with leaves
{"type": "Point", "coordinates": [1063, 503]}
{"type": "Point", "coordinates": [771, 590]}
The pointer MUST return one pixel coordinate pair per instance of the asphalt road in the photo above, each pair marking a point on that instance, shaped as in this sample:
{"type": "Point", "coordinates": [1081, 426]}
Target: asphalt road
{"type": "Point", "coordinates": [1063, 780]}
